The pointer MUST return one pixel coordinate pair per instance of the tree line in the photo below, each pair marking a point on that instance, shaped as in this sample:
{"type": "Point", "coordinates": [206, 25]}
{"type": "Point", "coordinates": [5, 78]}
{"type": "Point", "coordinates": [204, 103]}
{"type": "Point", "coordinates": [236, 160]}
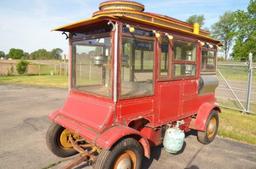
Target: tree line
{"type": "Point", "coordinates": [236, 30]}
{"type": "Point", "coordinates": [40, 54]}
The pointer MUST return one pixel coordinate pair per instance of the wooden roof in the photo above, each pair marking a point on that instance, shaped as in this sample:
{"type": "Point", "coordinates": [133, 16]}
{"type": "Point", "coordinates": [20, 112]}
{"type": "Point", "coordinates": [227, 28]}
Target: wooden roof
{"type": "Point", "coordinates": [128, 11]}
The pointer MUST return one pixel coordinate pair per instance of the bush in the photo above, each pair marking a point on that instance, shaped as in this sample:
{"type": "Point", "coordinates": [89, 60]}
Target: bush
{"type": "Point", "coordinates": [22, 67]}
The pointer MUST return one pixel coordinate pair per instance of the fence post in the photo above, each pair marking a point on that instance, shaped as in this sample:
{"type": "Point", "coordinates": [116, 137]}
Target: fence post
{"type": "Point", "coordinates": [39, 68]}
{"type": "Point", "coordinates": [60, 69]}
{"type": "Point", "coordinates": [55, 69]}
{"type": "Point", "coordinates": [66, 69]}
{"type": "Point", "coordinates": [249, 89]}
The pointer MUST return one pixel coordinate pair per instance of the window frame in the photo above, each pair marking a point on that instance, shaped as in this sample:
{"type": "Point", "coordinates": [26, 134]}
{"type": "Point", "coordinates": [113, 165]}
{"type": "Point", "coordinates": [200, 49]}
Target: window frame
{"type": "Point", "coordinates": [183, 62]}
{"type": "Point", "coordinates": [214, 59]}
{"type": "Point", "coordinates": [142, 38]}
{"type": "Point", "coordinates": [169, 62]}
{"type": "Point", "coordinates": [73, 41]}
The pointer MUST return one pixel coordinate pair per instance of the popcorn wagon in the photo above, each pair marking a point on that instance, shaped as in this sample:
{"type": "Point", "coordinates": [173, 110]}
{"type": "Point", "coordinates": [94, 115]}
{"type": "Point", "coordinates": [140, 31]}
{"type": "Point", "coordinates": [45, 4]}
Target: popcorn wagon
{"type": "Point", "coordinates": [137, 80]}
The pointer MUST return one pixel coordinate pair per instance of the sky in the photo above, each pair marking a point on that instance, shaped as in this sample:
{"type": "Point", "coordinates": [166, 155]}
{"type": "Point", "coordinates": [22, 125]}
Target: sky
{"type": "Point", "coordinates": [27, 24]}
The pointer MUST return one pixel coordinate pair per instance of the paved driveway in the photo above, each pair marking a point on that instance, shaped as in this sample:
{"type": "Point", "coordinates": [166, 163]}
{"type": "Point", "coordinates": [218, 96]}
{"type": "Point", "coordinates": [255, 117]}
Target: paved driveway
{"type": "Point", "coordinates": [23, 124]}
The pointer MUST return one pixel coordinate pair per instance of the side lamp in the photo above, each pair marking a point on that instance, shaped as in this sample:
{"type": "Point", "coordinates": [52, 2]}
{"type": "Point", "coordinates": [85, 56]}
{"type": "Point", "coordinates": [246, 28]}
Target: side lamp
{"type": "Point", "coordinates": [170, 37]}
{"type": "Point", "coordinates": [201, 43]}
{"type": "Point", "coordinates": [157, 34]}
{"type": "Point", "coordinates": [131, 28]}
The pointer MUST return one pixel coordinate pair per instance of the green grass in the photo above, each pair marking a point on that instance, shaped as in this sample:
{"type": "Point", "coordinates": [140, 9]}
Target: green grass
{"type": "Point", "coordinates": [44, 80]}
{"type": "Point", "coordinates": [237, 126]}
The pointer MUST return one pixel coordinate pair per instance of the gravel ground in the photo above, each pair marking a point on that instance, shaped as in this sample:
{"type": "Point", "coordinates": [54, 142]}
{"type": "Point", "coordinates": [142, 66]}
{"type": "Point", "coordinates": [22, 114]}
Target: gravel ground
{"type": "Point", "coordinates": [24, 122]}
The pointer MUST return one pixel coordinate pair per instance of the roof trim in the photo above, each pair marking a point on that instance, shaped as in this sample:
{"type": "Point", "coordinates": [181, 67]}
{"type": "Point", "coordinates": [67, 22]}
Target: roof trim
{"type": "Point", "coordinates": [127, 12]}
{"type": "Point", "coordinates": [121, 17]}
{"type": "Point", "coordinates": [168, 28]}
{"type": "Point", "coordinates": [83, 22]}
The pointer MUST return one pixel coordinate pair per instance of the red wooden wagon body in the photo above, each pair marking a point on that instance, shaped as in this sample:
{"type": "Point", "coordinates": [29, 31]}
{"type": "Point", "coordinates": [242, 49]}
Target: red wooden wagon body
{"type": "Point", "coordinates": [132, 75]}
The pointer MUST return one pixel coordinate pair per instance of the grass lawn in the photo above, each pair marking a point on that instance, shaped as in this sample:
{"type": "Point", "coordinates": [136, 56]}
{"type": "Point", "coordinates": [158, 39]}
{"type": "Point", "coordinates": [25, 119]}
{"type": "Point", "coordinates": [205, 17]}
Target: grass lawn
{"type": "Point", "coordinates": [238, 126]}
{"type": "Point", "coordinates": [44, 80]}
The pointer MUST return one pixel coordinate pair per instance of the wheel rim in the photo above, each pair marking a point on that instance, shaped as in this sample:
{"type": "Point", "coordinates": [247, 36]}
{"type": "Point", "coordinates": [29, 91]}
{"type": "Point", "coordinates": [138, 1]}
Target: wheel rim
{"type": "Point", "coordinates": [211, 129]}
{"type": "Point", "coordinates": [127, 160]}
{"type": "Point", "coordinates": [64, 138]}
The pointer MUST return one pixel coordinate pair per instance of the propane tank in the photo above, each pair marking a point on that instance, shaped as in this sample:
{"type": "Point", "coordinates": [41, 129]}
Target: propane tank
{"type": "Point", "coordinates": [174, 139]}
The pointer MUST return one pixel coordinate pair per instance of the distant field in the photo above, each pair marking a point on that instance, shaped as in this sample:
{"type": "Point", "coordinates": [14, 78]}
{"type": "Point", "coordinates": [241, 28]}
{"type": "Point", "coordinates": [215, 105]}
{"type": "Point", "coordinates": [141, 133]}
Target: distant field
{"type": "Point", "coordinates": [44, 80]}
{"type": "Point", "coordinates": [236, 73]}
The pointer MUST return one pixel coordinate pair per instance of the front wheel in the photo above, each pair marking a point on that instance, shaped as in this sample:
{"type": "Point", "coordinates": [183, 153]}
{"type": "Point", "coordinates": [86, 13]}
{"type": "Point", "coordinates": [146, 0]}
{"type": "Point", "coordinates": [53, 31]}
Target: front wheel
{"type": "Point", "coordinates": [57, 140]}
{"type": "Point", "coordinates": [212, 124]}
{"type": "Point", "coordinates": [127, 154]}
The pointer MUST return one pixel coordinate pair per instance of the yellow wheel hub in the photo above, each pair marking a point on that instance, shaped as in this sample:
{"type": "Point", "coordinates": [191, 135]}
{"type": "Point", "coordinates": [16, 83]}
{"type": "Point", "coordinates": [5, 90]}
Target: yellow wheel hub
{"type": "Point", "coordinates": [211, 129]}
{"type": "Point", "coordinates": [64, 138]}
{"type": "Point", "coordinates": [127, 160]}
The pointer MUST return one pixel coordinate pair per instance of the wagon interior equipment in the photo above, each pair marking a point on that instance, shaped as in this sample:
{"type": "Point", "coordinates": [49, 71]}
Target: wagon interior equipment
{"type": "Point", "coordinates": [137, 80]}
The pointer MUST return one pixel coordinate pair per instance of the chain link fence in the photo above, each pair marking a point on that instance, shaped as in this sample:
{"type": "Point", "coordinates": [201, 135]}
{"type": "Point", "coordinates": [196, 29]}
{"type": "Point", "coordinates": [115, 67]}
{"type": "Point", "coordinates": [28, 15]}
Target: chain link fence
{"type": "Point", "coordinates": [9, 68]}
{"type": "Point", "coordinates": [235, 91]}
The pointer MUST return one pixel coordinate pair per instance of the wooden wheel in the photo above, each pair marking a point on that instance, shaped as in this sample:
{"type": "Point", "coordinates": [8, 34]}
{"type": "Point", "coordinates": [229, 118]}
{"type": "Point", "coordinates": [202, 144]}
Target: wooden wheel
{"type": "Point", "coordinates": [57, 141]}
{"type": "Point", "coordinates": [212, 124]}
{"type": "Point", "coordinates": [127, 154]}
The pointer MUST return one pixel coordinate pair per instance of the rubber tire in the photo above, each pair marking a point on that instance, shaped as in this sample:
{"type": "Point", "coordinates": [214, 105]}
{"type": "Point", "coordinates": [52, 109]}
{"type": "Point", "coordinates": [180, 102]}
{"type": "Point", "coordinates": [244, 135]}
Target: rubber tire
{"type": "Point", "coordinates": [106, 158]}
{"type": "Point", "coordinates": [202, 135]}
{"type": "Point", "coordinates": [53, 142]}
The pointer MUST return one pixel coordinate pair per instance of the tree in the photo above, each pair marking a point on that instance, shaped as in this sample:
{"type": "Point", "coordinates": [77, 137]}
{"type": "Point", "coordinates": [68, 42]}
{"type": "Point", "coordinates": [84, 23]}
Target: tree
{"type": "Point", "coordinates": [26, 55]}
{"type": "Point", "coordinates": [16, 53]}
{"type": "Point", "coordinates": [246, 33]}
{"type": "Point", "coordinates": [56, 53]}
{"type": "Point", "coordinates": [224, 30]}
{"type": "Point", "coordinates": [2, 54]}
{"type": "Point", "coordinates": [41, 54]}
{"type": "Point", "coordinates": [196, 19]}
{"type": "Point", "coordinates": [22, 67]}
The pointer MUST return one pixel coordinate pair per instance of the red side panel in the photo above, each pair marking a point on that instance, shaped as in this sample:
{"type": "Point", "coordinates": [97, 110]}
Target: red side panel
{"type": "Point", "coordinates": [76, 127]}
{"type": "Point", "coordinates": [85, 114]}
{"type": "Point", "coordinates": [169, 101]}
{"type": "Point", "coordinates": [189, 97]}
{"type": "Point", "coordinates": [132, 109]}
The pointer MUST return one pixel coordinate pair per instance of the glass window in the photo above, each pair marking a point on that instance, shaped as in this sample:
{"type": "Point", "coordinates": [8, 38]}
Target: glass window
{"type": "Point", "coordinates": [184, 63]}
{"type": "Point", "coordinates": [137, 67]}
{"type": "Point", "coordinates": [92, 65]}
{"type": "Point", "coordinates": [184, 70]}
{"type": "Point", "coordinates": [208, 60]}
{"type": "Point", "coordinates": [184, 50]}
{"type": "Point", "coordinates": [164, 58]}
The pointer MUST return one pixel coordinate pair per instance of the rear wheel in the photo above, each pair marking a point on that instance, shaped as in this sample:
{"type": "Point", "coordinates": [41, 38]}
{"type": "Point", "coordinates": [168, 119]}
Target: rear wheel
{"type": "Point", "coordinates": [57, 140]}
{"type": "Point", "coordinates": [127, 154]}
{"type": "Point", "coordinates": [212, 124]}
